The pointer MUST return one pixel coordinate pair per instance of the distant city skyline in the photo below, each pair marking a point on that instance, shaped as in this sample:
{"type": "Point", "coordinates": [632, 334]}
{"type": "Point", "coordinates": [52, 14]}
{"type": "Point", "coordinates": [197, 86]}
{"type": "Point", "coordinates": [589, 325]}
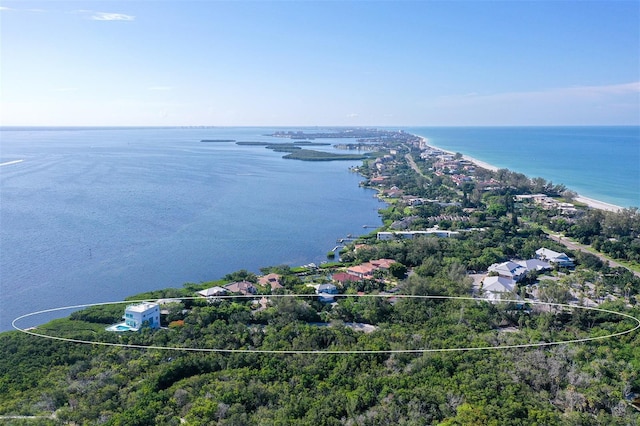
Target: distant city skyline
{"type": "Point", "coordinates": [316, 63]}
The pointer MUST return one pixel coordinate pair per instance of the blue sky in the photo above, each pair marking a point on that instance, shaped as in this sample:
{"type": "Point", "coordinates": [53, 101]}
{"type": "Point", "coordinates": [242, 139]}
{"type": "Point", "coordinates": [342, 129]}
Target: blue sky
{"type": "Point", "coordinates": [371, 63]}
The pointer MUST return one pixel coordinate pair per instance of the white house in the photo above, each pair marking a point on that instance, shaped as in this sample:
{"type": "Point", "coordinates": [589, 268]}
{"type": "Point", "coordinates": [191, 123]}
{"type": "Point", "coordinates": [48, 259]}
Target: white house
{"type": "Point", "coordinates": [213, 292]}
{"type": "Point", "coordinates": [497, 287]}
{"type": "Point", "coordinates": [135, 316]}
{"type": "Point", "coordinates": [509, 269]}
{"type": "Point", "coordinates": [554, 257]}
{"type": "Point", "coordinates": [534, 264]}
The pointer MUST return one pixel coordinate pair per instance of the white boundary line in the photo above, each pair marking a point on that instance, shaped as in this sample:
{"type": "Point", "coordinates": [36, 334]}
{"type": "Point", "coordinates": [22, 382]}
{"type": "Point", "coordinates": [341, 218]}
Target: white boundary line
{"type": "Point", "coordinates": [334, 352]}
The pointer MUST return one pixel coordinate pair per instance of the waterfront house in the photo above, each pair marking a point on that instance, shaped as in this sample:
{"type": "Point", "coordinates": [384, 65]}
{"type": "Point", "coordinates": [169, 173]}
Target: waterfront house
{"type": "Point", "coordinates": [139, 314]}
{"type": "Point", "coordinates": [212, 292]}
{"type": "Point", "coordinates": [440, 233]}
{"type": "Point", "coordinates": [272, 280]}
{"type": "Point", "coordinates": [242, 287]}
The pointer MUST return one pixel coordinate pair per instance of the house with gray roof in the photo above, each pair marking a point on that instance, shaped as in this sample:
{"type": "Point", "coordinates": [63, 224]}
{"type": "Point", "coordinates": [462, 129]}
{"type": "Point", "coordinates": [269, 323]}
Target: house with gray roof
{"type": "Point", "coordinates": [497, 288]}
{"type": "Point", "coordinates": [555, 258]}
{"type": "Point", "coordinates": [509, 269]}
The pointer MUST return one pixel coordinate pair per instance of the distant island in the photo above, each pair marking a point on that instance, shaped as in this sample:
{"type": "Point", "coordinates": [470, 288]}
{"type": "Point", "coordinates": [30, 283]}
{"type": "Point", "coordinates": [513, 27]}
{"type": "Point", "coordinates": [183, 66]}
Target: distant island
{"type": "Point", "coordinates": [311, 155]}
{"type": "Point", "coordinates": [368, 135]}
{"type": "Point", "coordinates": [218, 140]}
{"type": "Point", "coordinates": [297, 153]}
{"type": "Point", "coordinates": [271, 144]}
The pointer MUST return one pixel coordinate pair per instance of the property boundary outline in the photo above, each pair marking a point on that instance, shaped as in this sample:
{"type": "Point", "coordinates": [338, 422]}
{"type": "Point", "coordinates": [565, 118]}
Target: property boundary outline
{"type": "Point", "coordinates": [333, 352]}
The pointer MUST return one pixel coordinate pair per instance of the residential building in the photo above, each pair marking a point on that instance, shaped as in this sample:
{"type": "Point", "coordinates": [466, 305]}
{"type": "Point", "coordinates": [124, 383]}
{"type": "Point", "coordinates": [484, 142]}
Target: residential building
{"type": "Point", "coordinates": [326, 292]}
{"type": "Point", "coordinates": [555, 258]}
{"type": "Point", "coordinates": [272, 280]}
{"type": "Point", "coordinates": [242, 287]}
{"type": "Point", "coordinates": [362, 271]}
{"type": "Point", "coordinates": [213, 292]}
{"type": "Point", "coordinates": [344, 277]}
{"type": "Point", "coordinates": [509, 269]}
{"type": "Point", "coordinates": [534, 264]}
{"type": "Point", "coordinates": [497, 288]}
{"type": "Point", "coordinates": [384, 235]}
{"type": "Point", "coordinates": [140, 314]}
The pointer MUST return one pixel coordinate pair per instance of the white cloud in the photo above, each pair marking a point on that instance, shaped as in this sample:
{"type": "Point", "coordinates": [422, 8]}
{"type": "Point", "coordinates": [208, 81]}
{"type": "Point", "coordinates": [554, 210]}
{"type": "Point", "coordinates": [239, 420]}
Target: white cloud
{"type": "Point", "coordinates": [353, 115]}
{"type": "Point", "coordinates": [106, 16]}
{"type": "Point", "coordinates": [562, 93]}
{"type": "Point", "coordinates": [6, 9]}
{"type": "Point", "coordinates": [103, 16]}
{"type": "Point", "coordinates": [614, 104]}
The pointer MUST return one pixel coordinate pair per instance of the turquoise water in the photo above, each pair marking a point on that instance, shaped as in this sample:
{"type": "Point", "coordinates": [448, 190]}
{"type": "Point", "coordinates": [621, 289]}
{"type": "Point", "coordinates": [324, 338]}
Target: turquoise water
{"type": "Point", "coordinates": [602, 163]}
{"type": "Point", "coordinates": [119, 327]}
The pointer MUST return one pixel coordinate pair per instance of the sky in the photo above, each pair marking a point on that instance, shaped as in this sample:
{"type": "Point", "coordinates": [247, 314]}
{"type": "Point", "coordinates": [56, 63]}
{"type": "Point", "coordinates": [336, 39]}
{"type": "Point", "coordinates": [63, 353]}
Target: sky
{"type": "Point", "coordinates": [315, 63]}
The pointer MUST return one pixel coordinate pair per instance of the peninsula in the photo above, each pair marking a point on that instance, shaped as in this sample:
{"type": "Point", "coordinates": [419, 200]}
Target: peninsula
{"type": "Point", "coordinates": [473, 303]}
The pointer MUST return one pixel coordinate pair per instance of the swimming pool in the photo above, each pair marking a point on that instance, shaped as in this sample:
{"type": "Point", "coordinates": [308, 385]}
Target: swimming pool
{"type": "Point", "coordinates": [120, 327]}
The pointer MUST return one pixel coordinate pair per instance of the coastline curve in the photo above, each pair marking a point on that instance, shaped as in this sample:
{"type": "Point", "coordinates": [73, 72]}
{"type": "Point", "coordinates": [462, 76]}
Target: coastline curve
{"type": "Point", "coordinates": [334, 352]}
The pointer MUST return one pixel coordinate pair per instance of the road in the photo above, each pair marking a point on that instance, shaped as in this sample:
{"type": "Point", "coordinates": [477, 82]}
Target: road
{"type": "Point", "coordinates": [580, 247]}
{"type": "Point", "coordinates": [414, 166]}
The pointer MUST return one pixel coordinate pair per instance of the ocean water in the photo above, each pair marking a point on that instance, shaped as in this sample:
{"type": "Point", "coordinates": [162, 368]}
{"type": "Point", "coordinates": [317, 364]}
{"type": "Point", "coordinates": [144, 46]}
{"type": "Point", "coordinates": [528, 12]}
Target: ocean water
{"type": "Point", "coordinates": [602, 163]}
{"type": "Point", "coordinates": [96, 215]}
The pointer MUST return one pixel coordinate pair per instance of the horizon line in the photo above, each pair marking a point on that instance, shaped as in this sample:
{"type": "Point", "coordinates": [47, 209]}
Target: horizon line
{"type": "Point", "coordinates": [174, 126]}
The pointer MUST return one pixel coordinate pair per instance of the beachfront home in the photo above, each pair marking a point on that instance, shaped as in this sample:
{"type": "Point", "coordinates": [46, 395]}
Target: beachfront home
{"type": "Point", "coordinates": [139, 314]}
{"type": "Point", "coordinates": [555, 258]}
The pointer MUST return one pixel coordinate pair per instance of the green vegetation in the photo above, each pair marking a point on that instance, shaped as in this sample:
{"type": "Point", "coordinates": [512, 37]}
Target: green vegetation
{"type": "Point", "coordinates": [311, 155]}
{"type": "Point", "coordinates": [271, 144]}
{"type": "Point", "coordinates": [582, 384]}
{"type": "Point", "coordinates": [575, 384]}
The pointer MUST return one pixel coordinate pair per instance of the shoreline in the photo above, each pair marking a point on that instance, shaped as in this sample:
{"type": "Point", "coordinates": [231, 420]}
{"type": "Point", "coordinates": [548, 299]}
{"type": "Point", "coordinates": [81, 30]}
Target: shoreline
{"type": "Point", "coordinates": [590, 202]}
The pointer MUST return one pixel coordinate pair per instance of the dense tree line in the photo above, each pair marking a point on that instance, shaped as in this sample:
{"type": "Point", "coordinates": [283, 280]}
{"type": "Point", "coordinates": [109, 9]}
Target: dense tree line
{"type": "Point", "coordinates": [579, 384]}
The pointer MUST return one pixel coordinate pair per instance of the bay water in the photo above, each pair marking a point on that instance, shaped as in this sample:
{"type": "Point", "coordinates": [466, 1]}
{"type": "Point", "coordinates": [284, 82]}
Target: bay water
{"type": "Point", "coordinates": [95, 215]}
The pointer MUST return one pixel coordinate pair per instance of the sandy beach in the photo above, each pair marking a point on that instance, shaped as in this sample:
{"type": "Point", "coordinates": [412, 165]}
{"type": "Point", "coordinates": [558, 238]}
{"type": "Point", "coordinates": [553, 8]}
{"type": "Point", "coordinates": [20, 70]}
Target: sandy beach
{"type": "Point", "coordinates": [595, 204]}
